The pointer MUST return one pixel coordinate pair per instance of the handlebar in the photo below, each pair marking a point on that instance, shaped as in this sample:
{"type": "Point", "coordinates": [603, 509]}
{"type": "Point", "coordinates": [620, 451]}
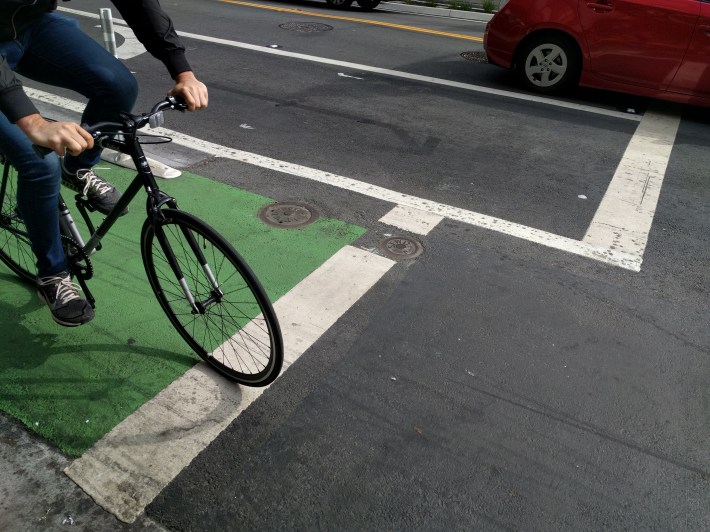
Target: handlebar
{"type": "Point", "coordinates": [130, 123]}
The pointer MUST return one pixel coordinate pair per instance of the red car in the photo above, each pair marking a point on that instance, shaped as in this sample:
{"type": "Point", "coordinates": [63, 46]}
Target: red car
{"type": "Point", "coordinates": [654, 48]}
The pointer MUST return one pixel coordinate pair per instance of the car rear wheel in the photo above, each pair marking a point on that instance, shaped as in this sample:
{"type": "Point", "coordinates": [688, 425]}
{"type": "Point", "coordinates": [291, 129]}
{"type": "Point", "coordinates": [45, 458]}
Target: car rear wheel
{"type": "Point", "coordinates": [549, 63]}
{"type": "Point", "coordinates": [367, 5]}
{"type": "Point", "coordinates": [339, 4]}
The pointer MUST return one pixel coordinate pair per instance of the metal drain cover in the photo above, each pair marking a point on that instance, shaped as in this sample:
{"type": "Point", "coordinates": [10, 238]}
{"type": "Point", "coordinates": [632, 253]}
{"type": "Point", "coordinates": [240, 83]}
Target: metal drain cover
{"type": "Point", "coordinates": [478, 57]}
{"type": "Point", "coordinates": [288, 215]}
{"type": "Point", "coordinates": [305, 27]}
{"type": "Point", "coordinates": [401, 248]}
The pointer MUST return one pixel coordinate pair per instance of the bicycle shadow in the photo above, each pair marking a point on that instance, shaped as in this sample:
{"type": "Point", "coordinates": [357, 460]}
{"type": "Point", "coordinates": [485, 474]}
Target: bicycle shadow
{"type": "Point", "coordinates": [66, 386]}
{"type": "Point", "coordinates": [25, 349]}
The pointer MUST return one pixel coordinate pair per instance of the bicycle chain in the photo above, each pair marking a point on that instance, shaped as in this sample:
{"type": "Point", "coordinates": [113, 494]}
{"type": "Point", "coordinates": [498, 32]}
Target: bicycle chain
{"type": "Point", "coordinates": [79, 262]}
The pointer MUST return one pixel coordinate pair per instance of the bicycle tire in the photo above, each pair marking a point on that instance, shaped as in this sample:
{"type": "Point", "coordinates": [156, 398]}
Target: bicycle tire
{"type": "Point", "coordinates": [237, 333]}
{"type": "Point", "coordinates": [15, 248]}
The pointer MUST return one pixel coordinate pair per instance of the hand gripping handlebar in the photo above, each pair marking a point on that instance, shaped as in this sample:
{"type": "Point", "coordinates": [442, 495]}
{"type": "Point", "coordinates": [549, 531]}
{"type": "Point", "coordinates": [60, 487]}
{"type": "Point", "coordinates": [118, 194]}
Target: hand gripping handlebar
{"type": "Point", "coordinates": [129, 124]}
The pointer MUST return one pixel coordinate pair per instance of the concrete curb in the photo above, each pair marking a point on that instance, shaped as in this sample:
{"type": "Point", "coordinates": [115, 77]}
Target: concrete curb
{"type": "Point", "coordinates": [435, 11]}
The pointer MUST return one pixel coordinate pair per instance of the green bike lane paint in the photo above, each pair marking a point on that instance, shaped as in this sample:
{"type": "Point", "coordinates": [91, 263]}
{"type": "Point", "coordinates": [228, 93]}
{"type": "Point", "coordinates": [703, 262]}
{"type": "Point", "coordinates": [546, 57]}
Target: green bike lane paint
{"type": "Point", "coordinates": [72, 386]}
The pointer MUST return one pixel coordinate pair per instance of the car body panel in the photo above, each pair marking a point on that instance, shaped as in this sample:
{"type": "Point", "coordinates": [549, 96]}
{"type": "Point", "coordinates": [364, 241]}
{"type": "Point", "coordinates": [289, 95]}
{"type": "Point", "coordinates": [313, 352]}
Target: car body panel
{"type": "Point", "coordinates": [640, 42]}
{"type": "Point", "coordinates": [693, 76]}
{"type": "Point", "coordinates": [651, 48]}
{"type": "Point", "coordinates": [528, 17]}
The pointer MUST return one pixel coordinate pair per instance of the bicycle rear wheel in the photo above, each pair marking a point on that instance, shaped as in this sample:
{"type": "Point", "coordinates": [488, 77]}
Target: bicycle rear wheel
{"type": "Point", "coordinates": [218, 306]}
{"type": "Point", "coordinates": [15, 247]}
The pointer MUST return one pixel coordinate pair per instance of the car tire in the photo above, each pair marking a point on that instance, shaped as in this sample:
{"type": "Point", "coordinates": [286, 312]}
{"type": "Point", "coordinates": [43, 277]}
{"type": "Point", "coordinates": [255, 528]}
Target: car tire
{"type": "Point", "coordinates": [339, 4]}
{"type": "Point", "coordinates": [368, 5]}
{"type": "Point", "coordinates": [549, 63]}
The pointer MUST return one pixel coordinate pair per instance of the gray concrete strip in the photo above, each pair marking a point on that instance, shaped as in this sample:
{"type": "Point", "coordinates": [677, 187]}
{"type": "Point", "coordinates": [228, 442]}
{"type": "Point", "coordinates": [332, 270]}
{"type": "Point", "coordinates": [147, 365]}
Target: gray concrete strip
{"type": "Point", "coordinates": [36, 496]}
{"type": "Point", "coordinates": [401, 7]}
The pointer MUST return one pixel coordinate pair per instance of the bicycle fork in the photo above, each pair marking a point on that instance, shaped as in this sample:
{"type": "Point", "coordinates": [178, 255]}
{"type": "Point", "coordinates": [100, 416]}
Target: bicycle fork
{"type": "Point", "coordinates": [216, 294]}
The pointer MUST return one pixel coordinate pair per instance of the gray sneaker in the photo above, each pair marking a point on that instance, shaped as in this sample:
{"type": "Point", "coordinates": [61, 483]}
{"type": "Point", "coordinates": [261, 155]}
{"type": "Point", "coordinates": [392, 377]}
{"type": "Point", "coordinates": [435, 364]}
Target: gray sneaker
{"type": "Point", "coordinates": [62, 296]}
{"type": "Point", "coordinates": [101, 195]}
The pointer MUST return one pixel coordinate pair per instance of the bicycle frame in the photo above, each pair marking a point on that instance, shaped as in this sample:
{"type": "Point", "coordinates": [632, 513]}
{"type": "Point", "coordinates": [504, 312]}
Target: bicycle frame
{"type": "Point", "coordinates": [131, 145]}
{"type": "Point", "coordinates": [143, 179]}
{"type": "Point", "coordinates": [229, 323]}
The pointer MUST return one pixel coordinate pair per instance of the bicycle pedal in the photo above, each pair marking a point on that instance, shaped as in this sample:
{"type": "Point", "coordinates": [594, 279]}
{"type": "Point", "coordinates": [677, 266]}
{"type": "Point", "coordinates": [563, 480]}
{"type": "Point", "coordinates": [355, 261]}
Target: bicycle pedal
{"type": "Point", "coordinates": [82, 202]}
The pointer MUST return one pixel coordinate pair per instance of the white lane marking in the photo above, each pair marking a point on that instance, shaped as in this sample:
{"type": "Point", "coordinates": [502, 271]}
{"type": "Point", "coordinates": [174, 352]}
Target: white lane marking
{"type": "Point", "coordinates": [134, 462]}
{"type": "Point", "coordinates": [347, 76]}
{"type": "Point", "coordinates": [392, 73]}
{"type": "Point", "coordinates": [131, 46]}
{"type": "Point", "coordinates": [413, 220]}
{"type": "Point", "coordinates": [610, 256]}
{"type": "Point", "coordinates": [607, 255]}
{"type": "Point", "coordinates": [624, 216]}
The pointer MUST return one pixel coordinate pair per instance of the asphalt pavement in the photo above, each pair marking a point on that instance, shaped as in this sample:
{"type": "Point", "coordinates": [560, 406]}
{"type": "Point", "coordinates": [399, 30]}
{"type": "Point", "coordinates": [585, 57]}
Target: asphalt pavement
{"type": "Point", "coordinates": [493, 382]}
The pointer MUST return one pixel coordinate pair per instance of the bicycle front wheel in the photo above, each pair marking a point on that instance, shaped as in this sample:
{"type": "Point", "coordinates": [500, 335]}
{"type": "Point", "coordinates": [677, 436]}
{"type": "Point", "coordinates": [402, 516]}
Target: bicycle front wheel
{"type": "Point", "coordinates": [212, 298]}
{"type": "Point", "coordinates": [15, 247]}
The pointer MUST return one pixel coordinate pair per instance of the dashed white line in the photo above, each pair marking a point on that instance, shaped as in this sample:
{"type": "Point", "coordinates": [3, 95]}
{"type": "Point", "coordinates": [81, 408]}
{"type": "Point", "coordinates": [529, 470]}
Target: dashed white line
{"type": "Point", "coordinates": [412, 220]}
{"type": "Point", "coordinates": [609, 255]}
{"type": "Point", "coordinates": [624, 217]}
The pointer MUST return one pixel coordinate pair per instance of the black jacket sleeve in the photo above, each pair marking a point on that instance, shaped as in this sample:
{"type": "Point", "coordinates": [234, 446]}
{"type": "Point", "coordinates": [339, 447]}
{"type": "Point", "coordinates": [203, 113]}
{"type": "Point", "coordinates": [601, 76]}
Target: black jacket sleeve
{"type": "Point", "coordinates": [155, 31]}
{"type": "Point", "coordinates": [152, 27]}
{"type": "Point", "coordinates": [14, 103]}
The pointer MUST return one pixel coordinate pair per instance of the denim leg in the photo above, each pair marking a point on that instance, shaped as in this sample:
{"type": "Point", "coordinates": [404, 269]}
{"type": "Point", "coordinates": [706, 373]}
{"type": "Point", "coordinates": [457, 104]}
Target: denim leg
{"type": "Point", "coordinates": [58, 53]}
{"type": "Point", "coordinates": [37, 197]}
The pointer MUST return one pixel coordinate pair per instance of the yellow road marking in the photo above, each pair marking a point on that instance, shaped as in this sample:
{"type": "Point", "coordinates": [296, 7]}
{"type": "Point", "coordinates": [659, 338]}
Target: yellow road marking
{"type": "Point", "coordinates": [360, 20]}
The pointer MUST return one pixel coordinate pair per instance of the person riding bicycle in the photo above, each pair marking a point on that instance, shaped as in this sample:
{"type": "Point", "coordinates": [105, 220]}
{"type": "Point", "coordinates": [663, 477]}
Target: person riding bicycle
{"type": "Point", "coordinates": [45, 46]}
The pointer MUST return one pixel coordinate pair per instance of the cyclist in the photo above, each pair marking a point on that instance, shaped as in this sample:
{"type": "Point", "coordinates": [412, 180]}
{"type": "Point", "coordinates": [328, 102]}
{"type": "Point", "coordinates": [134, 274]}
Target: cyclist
{"type": "Point", "coordinates": [41, 44]}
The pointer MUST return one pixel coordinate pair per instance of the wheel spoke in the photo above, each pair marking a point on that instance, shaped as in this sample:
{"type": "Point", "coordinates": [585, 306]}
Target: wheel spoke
{"type": "Point", "coordinates": [553, 54]}
{"type": "Point", "coordinates": [235, 329]}
{"type": "Point", "coordinates": [539, 56]}
{"type": "Point", "coordinates": [558, 69]}
{"type": "Point", "coordinates": [15, 248]}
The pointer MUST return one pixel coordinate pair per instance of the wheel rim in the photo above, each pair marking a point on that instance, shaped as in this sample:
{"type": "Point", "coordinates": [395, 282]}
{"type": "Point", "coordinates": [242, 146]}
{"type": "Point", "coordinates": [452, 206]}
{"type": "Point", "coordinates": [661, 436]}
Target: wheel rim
{"type": "Point", "coordinates": [546, 65]}
{"type": "Point", "coordinates": [15, 247]}
{"type": "Point", "coordinates": [231, 334]}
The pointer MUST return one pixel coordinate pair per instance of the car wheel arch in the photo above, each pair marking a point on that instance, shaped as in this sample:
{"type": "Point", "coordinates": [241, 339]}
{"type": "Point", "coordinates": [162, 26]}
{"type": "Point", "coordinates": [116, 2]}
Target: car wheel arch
{"type": "Point", "coordinates": [568, 42]}
{"type": "Point", "coordinates": [547, 32]}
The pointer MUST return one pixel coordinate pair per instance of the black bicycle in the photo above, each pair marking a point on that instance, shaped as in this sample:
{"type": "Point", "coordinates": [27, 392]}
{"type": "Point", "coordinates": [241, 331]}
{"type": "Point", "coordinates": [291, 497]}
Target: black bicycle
{"type": "Point", "coordinates": [205, 287]}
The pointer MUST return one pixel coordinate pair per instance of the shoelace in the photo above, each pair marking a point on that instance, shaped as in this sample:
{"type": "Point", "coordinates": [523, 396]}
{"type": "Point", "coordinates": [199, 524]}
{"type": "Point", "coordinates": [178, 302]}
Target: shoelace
{"type": "Point", "coordinates": [66, 290]}
{"type": "Point", "coordinates": [92, 180]}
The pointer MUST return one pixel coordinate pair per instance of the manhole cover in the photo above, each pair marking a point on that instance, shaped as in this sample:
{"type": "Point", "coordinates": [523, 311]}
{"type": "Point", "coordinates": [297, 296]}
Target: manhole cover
{"type": "Point", "coordinates": [288, 215]}
{"type": "Point", "coordinates": [478, 57]}
{"type": "Point", "coordinates": [305, 27]}
{"type": "Point", "coordinates": [401, 247]}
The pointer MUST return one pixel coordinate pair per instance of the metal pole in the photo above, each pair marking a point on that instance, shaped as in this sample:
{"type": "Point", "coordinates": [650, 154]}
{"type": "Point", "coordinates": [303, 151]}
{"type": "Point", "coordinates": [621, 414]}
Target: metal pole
{"type": "Point", "coordinates": [107, 28]}
{"type": "Point", "coordinates": [121, 159]}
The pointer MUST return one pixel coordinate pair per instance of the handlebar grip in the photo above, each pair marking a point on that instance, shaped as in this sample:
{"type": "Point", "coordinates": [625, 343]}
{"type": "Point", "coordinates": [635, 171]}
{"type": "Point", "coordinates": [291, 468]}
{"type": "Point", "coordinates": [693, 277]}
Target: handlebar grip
{"type": "Point", "coordinates": [170, 102]}
{"type": "Point", "coordinates": [178, 103]}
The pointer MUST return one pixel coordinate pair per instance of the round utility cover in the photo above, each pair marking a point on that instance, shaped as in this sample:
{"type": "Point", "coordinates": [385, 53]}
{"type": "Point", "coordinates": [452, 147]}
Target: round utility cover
{"type": "Point", "coordinates": [401, 248]}
{"type": "Point", "coordinates": [478, 57]}
{"type": "Point", "coordinates": [305, 27]}
{"type": "Point", "coordinates": [288, 215]}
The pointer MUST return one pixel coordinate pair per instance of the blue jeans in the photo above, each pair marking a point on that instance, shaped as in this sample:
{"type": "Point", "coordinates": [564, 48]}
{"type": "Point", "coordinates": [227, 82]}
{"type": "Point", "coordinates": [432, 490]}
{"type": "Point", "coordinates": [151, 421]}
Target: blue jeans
{"type": "Point", "coordinates": [55, 51]}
